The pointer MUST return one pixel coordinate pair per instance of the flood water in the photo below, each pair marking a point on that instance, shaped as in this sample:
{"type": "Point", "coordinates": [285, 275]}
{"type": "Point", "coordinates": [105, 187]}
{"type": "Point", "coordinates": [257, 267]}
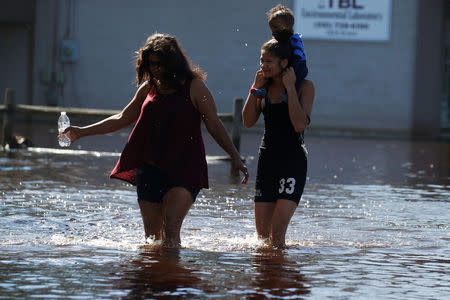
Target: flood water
{"type": "Point", "coordinates": [373, 223]}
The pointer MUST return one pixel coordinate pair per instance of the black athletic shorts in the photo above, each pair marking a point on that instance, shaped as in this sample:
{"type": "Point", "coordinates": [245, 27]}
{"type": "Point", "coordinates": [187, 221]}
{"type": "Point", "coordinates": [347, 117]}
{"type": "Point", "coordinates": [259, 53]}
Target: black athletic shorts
{"type": "Point", "coordinates": [280, 176]}
{"type": "Point", "coordinates": [152, 184]}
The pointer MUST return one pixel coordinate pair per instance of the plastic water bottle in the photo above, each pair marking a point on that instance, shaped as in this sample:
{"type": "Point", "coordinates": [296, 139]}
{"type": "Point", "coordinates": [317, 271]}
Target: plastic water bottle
{"type": "Point", "coordinates": [63, 123]}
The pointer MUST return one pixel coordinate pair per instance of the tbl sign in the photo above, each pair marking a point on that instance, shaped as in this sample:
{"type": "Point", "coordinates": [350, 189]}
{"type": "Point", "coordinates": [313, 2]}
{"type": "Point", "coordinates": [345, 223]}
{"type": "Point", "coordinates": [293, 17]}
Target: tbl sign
{"type": "Point", "coordinates": [354, 20]}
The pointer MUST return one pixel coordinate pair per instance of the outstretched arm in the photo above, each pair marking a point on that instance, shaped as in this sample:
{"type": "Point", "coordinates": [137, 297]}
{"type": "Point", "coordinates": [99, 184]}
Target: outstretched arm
{"type": "Point", "coordinates": [126, 117]}
{"type": "Point", "coordinates": [204, 102]}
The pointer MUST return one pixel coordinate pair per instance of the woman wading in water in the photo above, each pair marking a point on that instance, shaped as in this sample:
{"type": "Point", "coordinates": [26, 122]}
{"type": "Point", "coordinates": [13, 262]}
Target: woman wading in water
{"type": "Point", "coordinates": [165, 155]}
{"type": "Point", "coordinates": [282, 163]}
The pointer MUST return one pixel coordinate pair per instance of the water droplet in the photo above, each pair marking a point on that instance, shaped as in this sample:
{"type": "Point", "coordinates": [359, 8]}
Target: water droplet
{"type": "Point", "coordinates": [243, 69]}
{"type": "Point", "coordinates": [237, 29]}
{"type": "Point", "coordinates": [374, 168]}
{"type": "Point", "coordinates": [246, 44]}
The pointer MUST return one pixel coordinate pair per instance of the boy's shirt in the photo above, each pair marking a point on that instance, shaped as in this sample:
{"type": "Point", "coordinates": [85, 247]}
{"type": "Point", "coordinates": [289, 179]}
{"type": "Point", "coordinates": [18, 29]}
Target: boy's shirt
{"type": "Point", "coordinates": [298, 59]}
{"type": "Point", "coordinates": [297, 44]}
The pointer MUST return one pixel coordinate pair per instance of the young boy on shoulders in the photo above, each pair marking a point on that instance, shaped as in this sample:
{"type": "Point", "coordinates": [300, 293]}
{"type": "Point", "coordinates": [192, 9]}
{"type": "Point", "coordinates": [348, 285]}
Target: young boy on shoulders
{"type": "Point", "coordinates": [281, 23]}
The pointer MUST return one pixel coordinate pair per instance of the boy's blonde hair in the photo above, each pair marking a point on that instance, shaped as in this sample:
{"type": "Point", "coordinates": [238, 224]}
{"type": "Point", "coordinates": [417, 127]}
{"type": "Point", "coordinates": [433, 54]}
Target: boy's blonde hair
{"type": "Point", "coordinates": [282, 13]}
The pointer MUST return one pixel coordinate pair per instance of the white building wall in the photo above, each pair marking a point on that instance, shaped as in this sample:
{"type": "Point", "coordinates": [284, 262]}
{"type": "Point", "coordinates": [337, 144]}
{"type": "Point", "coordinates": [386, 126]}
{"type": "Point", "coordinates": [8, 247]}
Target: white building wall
{"type": "Point", "coordinates": [358, 84]}
{"type": "Point", "coordinates": [223, 38]}
{"type": "Point", "coordinates": [366, 84]}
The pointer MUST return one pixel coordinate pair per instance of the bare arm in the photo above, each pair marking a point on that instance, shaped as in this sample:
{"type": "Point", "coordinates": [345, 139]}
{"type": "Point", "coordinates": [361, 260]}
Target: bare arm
{"type": "Point", "coordinates": [306, 96]}
{"type": "Point", "coordinates": [204, 102]}
{"type": "Point", "coordinates": [300, 104]}
{"type": "Point", "coordinates": [126, 117]}
{"type": "Point", "coordinates": [252, 107]}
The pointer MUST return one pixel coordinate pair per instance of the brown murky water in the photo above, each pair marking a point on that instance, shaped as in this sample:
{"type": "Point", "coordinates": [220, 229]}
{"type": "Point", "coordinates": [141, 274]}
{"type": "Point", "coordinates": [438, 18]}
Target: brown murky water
{"type": "Point", "coordinates": [373, 223]}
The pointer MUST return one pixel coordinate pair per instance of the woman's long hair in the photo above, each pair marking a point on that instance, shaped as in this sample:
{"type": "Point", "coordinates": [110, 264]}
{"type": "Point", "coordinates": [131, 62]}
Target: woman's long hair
{"type": "Point", "coordinates": [176, 67]}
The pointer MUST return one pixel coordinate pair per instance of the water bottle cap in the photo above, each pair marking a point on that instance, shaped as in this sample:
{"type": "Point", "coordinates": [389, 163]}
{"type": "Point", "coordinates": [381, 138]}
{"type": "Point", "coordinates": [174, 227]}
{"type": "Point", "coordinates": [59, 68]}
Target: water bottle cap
{"type": "Point", "coordinates": [63, 112]}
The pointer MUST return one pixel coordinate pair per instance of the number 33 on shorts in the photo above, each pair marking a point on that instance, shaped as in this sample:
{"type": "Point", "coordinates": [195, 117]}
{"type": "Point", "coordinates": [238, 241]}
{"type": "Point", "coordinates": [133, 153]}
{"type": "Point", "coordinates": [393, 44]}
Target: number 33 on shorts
{"type": "Point", "coordinates": [287, 185]}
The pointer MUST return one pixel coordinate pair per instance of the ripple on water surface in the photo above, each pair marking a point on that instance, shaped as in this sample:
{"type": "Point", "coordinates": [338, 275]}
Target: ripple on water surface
{"type": "Point", "coordinates": [83, 237]}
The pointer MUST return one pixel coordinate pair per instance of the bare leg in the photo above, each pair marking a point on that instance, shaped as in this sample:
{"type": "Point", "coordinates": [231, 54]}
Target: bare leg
{"type": "Point", "coordinates": [176, 204]}
{"type": "Point", "coordinates": [263, 219]}
{"type": "Point", "coordinates": [152, 217]}
{"type": "Point", "coordinates": [282, 214]}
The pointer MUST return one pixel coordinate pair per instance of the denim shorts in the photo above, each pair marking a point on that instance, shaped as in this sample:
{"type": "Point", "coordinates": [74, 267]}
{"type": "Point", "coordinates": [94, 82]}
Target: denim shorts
{"type": "Point", "coordinates": [152, 184]}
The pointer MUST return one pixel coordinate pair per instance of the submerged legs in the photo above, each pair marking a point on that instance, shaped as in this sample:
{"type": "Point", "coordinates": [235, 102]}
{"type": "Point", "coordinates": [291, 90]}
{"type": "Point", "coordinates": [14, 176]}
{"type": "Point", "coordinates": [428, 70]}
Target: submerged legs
{"type": "Point", "coordinates": [163, 220]}
{"type": "Point", "coordinates": [272, 220]}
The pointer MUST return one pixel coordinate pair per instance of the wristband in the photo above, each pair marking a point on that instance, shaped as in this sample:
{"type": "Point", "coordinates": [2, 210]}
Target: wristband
{"type": "Point", "coordinates": [258, 93]}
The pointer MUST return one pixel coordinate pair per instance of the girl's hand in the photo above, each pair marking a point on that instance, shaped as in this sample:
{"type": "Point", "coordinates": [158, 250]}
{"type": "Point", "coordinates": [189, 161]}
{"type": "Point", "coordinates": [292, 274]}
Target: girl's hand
{"type": "Point", "coordinates": [237, 165]}
{"type": "Point", "coordinates": [260, 80]}
{"type": "Point", "coordinates": [288, 77]}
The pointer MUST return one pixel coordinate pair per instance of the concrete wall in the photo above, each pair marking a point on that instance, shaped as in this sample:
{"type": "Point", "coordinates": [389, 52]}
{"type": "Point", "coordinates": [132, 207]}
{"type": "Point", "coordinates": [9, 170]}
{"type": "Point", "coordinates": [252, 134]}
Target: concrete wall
{"type": "Point", "coordinates": [16, 48]}
{"type": "Point", "coordinates": [15, 60]}
{"type": "Point", "coordinates": [366, 84]}
{"type": "Point", "coordinates": [429, 75]}
{"type": "Point", "coordinates": [222, 37]}
{"type": "Point", "coordinates": [17, 11]}
{"type": "Point", "coordinates": [359, 85]}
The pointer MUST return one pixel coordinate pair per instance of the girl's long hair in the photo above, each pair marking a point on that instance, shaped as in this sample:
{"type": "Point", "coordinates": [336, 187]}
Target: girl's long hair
{"type": "Point", "coordinates": [278, 49]}
{"type": "Point", "coordinates": [282, 50]}
{"type": "Point", "coordinates": [175, 66]}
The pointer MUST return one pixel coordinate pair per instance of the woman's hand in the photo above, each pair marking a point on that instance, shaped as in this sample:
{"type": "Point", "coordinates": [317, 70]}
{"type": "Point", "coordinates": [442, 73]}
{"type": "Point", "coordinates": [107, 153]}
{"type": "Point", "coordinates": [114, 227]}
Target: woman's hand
{"type": "Point", "coordinates": [260, 80]}
{"type": "Point", "coordinates": [237, 165]}
{"type": "Point", "coordinates": [288, 77]}
{"type": "Point", "coordinates": [73, 132]}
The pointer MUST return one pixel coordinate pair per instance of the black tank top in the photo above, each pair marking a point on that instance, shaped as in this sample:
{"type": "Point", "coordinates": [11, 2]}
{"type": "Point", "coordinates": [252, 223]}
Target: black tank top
{"type": "Point", "coordinates": [279, 134]}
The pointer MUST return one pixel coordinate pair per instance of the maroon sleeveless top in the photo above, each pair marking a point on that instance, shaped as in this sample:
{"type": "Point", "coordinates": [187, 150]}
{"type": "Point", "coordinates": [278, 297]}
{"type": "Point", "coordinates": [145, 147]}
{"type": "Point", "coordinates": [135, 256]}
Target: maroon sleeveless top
{"type": "Point", "coordinates": [168, 134]}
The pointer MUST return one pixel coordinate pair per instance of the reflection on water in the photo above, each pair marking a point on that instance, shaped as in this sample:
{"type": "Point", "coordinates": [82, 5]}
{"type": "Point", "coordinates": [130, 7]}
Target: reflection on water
{"type": "Point", "coordinates": [158, 272]}
{"type": "Point", "coordinates": [373, 223]}
{"type": "Point", "coordinates": [277, 276]}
